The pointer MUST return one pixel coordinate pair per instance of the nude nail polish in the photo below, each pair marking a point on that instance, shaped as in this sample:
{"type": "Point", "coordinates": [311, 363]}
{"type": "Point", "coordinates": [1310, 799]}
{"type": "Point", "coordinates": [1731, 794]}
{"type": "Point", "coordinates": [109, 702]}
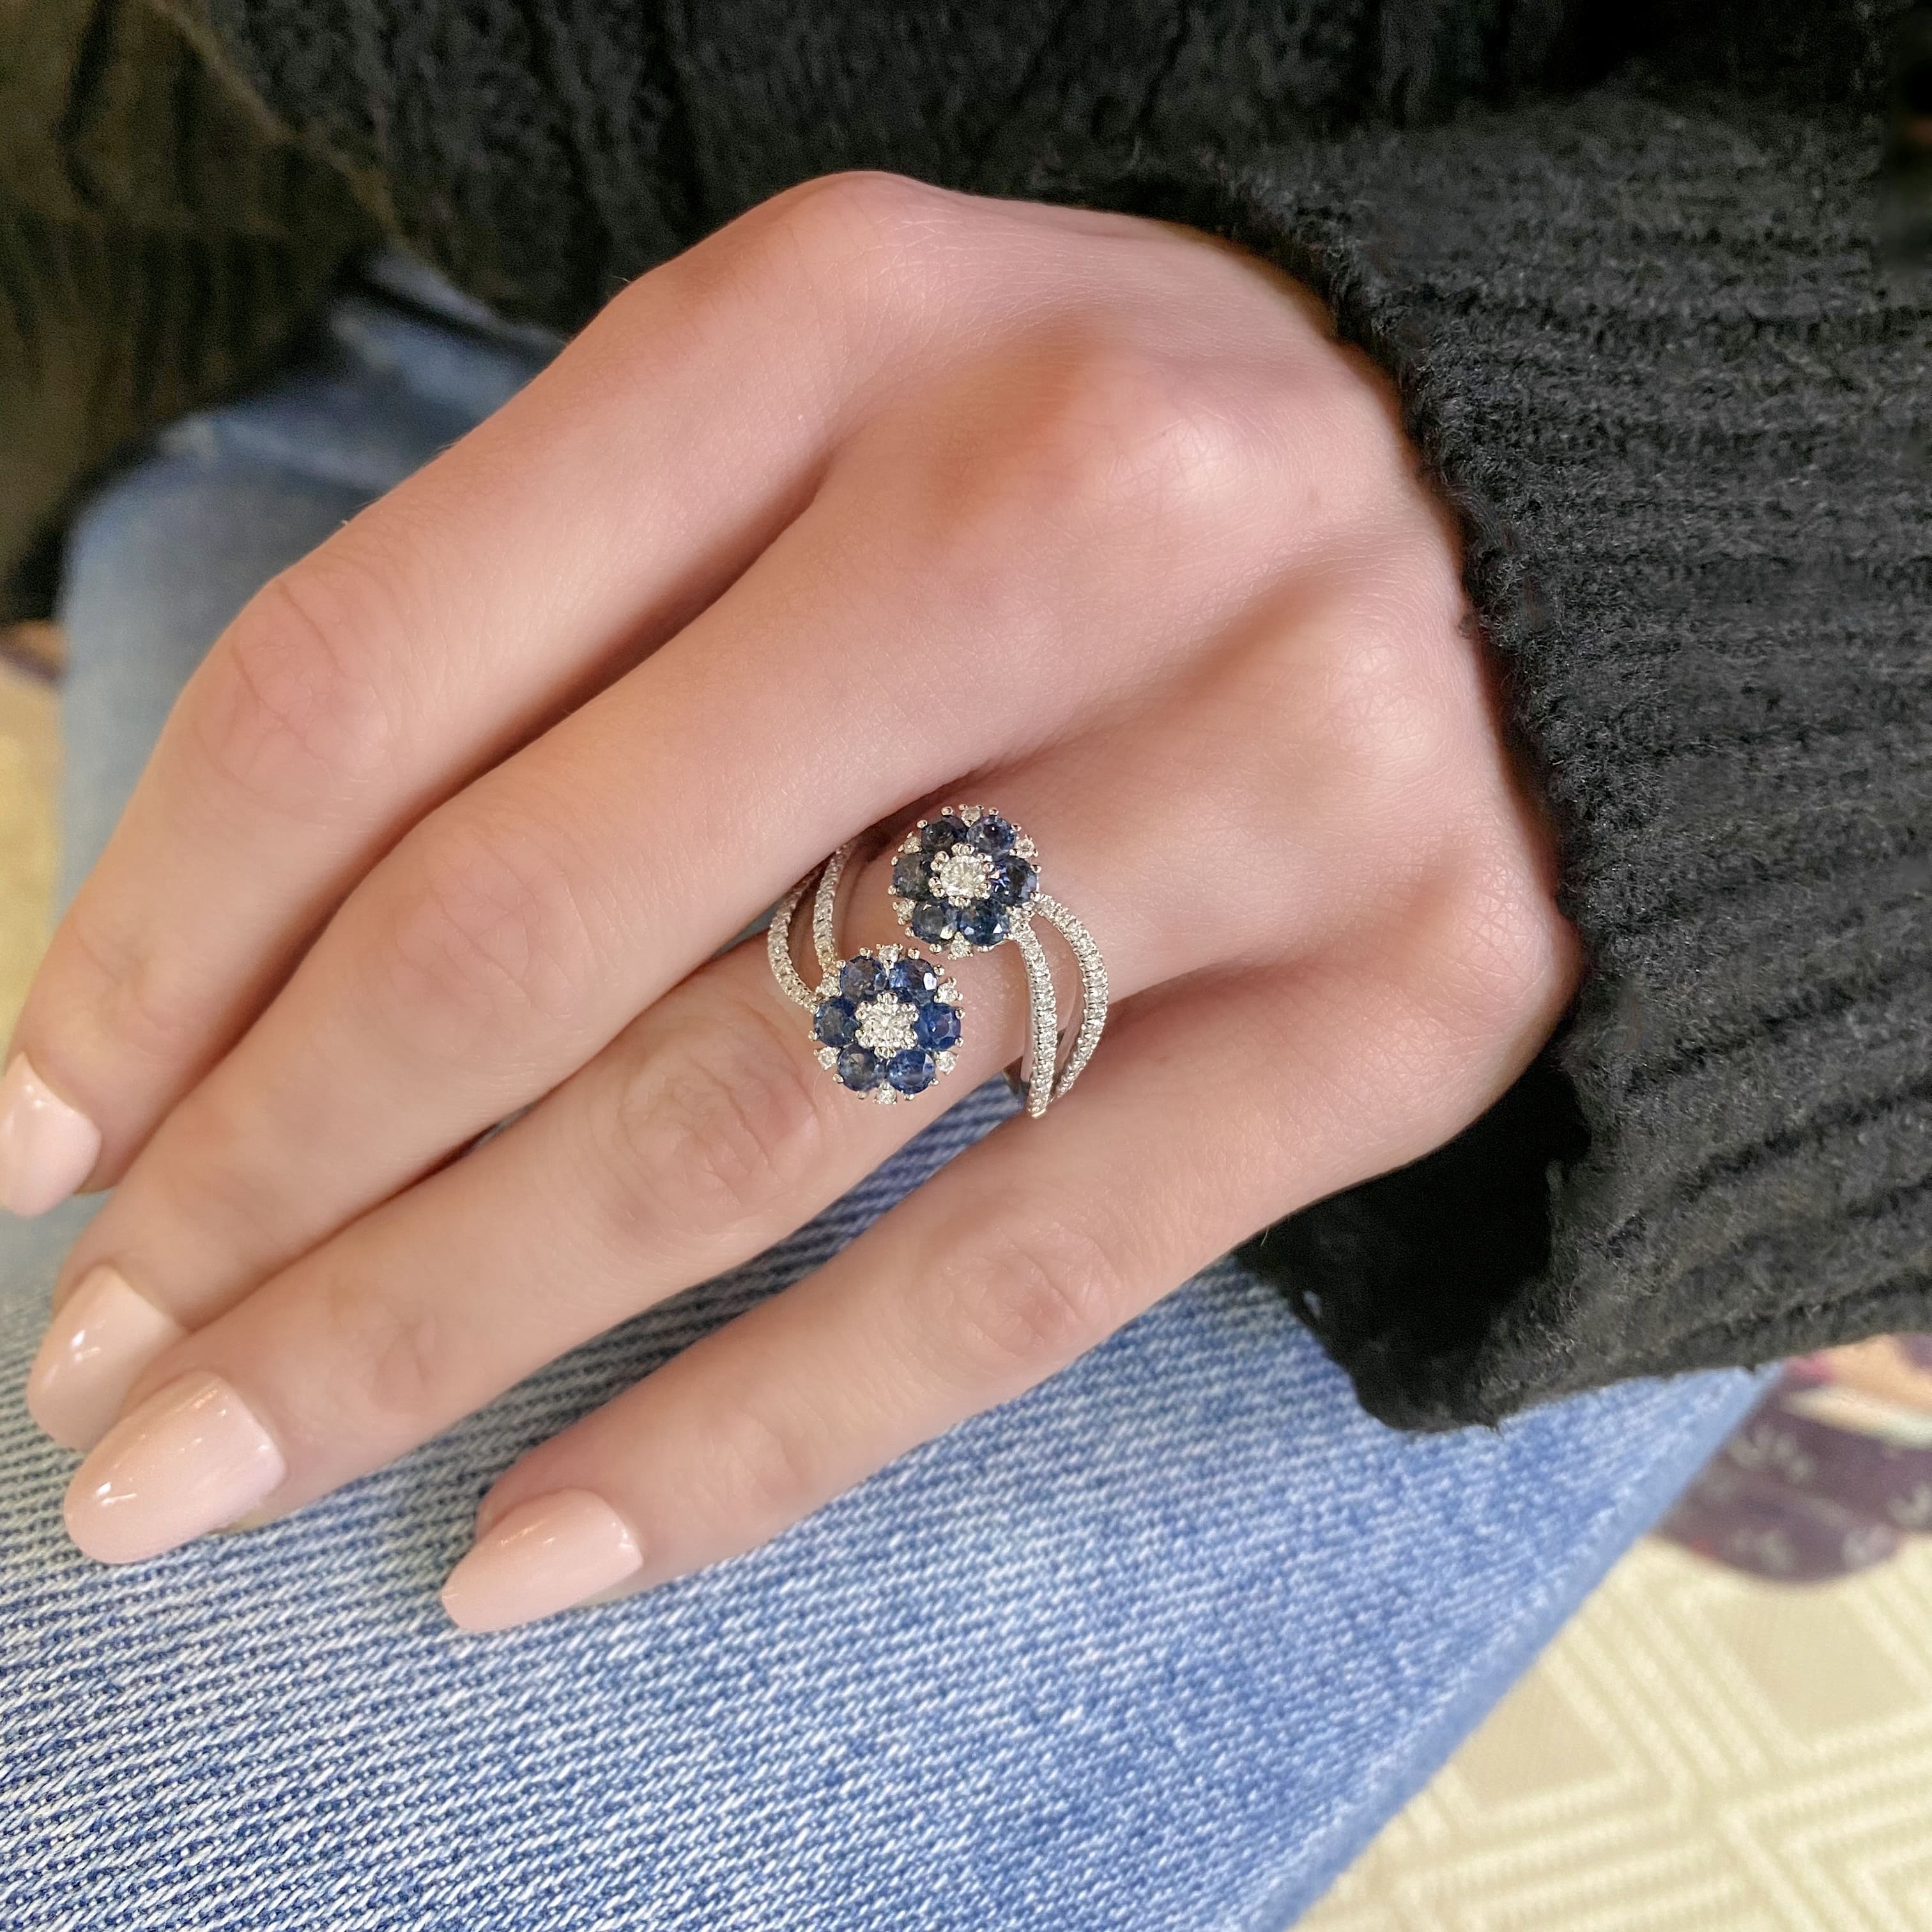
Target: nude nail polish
{"type": "Point", "coordinates": [100, 1339]}
{"type": "Point", "coordinates": [544, 1556]}
{"type": "Point", "coordinates": [47, 1148]}
{"type": "Point", "coordinates": [190, 1460]}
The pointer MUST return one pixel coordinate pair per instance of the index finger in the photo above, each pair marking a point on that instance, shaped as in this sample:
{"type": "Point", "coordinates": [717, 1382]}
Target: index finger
{"type": "Point", "coordinates": [569, 534]}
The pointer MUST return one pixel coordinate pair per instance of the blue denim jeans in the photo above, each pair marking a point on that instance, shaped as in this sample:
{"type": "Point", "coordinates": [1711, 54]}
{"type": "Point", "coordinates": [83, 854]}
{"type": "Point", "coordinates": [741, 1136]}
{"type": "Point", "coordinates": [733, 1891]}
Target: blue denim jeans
{"type": "Point", "coordinates": [1157, 1647]}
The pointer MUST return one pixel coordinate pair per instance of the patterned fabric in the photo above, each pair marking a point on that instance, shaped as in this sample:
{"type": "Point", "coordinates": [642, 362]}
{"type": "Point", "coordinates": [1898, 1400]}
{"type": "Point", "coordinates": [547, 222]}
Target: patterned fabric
{"type": "Point", "coordinates": [1820, 1480]}
{"type": "Point", "coordinates": [1697, 1752]}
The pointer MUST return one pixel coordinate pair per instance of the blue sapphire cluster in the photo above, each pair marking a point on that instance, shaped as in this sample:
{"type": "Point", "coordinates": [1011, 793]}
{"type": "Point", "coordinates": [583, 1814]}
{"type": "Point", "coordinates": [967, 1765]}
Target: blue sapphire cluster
{"type": "Point", "coordinates": [960, 879]}
{"type": "Point", "coordinates": [889, 1026]}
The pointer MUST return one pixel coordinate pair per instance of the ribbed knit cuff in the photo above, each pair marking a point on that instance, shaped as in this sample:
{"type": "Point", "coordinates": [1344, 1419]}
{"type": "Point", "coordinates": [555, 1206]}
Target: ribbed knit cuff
{"type": "Point", "coordinates": [1648, 353]}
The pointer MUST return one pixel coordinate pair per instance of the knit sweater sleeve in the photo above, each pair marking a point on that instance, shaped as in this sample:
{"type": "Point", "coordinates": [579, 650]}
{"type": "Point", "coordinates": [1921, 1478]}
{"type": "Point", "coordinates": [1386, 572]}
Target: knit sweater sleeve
{"type": "Point", "coordinates": [1649, 349]}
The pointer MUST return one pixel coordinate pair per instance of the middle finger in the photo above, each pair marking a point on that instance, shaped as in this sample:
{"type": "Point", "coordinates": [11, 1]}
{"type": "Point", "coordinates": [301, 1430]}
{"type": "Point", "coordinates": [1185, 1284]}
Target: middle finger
{"type": "Point", "coordinates": [514, 934]}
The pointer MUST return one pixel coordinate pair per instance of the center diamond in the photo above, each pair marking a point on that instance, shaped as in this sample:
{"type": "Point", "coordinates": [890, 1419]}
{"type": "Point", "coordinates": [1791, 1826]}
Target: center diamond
{"type": "Point", "coordinates": [960, 877]}
{"type": "Point", "coordinates": [885, 1026]}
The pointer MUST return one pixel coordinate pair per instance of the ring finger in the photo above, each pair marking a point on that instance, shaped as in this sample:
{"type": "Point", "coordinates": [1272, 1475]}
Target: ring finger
{"type": "Point", "coordinates": [705, 1132]}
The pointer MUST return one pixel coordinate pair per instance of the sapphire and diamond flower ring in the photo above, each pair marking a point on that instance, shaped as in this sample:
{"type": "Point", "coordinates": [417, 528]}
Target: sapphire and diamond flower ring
{"type": "Point", "coordinates": [960, 879]}
{"type": "Point", "coordinates": [886, 1022]}
{"type": "Point", "coordinates": [890, 1027]}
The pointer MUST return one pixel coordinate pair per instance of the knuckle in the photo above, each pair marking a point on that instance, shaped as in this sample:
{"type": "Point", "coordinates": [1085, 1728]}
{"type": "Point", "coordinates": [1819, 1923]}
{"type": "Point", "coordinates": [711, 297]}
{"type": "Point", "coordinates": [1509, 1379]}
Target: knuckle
{"type": "Point", "coordinates": [1097, 446]}
{"type": "Point", "coordinates": [1352, 410]}
{"type": "Point", "coordinates": [840, 242]}
{"type": "Point", "coordinates": [817, 267]}
{"type": "Point", "coordinates": [394, 1355]}
{"type": "Point", "coordinates": [143, 1000]}
{"type": "Point", "coordinates": [1122, 432]}
{"type": "Point", "coordinates": [1020, 1301]}
{"type": "Point", "coordinates": [293, 715]}
{"type": "Point", "coordinates": [765, 1468]}
{"type": "Point", "coordinates": [1486, 962]}
{"type": "Point", "coordinates": [487, 924]}
{"type": "Point", "coordinates": [1382, 728]}
{"type": "Point", "coordinates": [854, 220]}
{"type": "Point", "coordinates": [205, 1168]}
{"type": "Point", "coordinates": [1505, 958]}
{"type": "Point", "coordinates": [716, 1128]}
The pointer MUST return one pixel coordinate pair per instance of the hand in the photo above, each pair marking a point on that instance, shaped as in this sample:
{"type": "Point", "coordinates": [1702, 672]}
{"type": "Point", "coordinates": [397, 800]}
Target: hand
{"type": "Point", "coordinates": [881, 495]}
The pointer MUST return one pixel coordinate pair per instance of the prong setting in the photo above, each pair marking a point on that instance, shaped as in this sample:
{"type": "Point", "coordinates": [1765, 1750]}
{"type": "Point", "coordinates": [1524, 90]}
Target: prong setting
{"type": "Point", "coordinates": [963, 880]}
{"type": "Point", "coordinates": [884, 1025]}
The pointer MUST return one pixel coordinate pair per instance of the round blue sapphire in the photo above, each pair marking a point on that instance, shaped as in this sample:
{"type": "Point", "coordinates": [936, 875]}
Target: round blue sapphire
{"type": "Point", "coordinates": [983, 923]}
{"type": "Point", "coordinates": [942, 834]}
{"type": "Point", "coordinates": [836, 1022]}
{"type": "Point", "coordinates": [914, 980]}
{"type": "Point", "coordinates": [1014, 879]}
{"type": "Point", "coordinates": [991, 833]}
{"type": "Point", "coordinates": [862, 979]}
{"type": "Point", "coordinates": [936, 1026]}
{"type": "Point", "coordinates": [912, 1071]}
{"type": "Point", "coordinates": [859, 1068]}
{"type": "Point", "coordinates": [932, 921]}
{"type": "Point", "coordinates": [912, 875]}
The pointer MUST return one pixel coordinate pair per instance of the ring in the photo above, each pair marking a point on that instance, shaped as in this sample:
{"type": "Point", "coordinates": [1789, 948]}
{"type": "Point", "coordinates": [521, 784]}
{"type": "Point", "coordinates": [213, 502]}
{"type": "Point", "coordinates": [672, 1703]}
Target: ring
{"type": "Point", "coordinates": [886, 1022]}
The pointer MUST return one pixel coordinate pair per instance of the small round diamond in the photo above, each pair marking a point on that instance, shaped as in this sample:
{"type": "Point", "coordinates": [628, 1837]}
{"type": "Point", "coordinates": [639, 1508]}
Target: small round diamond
{"type": "Point", "coordinates": [861, 979]}
{"type": "Point", "coordinates": [961, 878]}
{"type": "Point", "coordinates": [836, 1021]}
{"type": "Point", "coordinates": [936, 1026]}
{"type": "Point", "coordinates": [860, 1069]}
{"type": "Point", "coordinates": [885, 1026]}
{"type": "Point", "coordinates": [912, 1071]}
{"type": "Point", "coordinates": [913, 979]}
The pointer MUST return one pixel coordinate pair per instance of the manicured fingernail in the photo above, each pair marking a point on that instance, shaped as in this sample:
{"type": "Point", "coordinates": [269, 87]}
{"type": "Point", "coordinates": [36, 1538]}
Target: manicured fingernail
{"type": "Point", "coordinates": [101, 1337]}
{"type": "Point", "coordinates": [190, 1460]}
{"type": "Point", "coordinates": [47, 1148]}
{"type": "Point", "coordinates": [543, 1557]}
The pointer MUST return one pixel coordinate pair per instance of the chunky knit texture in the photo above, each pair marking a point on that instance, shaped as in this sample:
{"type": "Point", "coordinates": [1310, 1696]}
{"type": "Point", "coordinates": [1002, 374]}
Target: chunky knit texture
{"type": "Point", "coordinates": [161, 243]}
{"type": "Point", "coordinates": [1628, 288]}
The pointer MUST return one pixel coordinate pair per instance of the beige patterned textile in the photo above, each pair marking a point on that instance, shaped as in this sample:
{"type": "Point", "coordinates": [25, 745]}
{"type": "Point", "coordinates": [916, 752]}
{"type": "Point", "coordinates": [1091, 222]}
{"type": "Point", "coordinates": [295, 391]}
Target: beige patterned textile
{"type": "Point", "coordinates": [1696, 1752]}
{"type": "Point", "coordinates": [29, 758]}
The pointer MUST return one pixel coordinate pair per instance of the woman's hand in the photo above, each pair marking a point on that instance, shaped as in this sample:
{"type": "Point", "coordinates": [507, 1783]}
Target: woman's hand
{"type": "Point", "coordinates": [880, 496]}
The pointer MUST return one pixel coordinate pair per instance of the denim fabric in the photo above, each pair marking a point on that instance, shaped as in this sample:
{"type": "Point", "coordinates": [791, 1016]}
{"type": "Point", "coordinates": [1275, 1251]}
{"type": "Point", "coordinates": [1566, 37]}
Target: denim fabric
{"type": "Point", "coordinates": [1157, 1648]}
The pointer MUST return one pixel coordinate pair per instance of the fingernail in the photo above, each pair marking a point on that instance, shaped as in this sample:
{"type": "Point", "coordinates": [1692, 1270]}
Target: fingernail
{"type": "Point", "coordinates": [101, 1337]}
{"type": "Point", "coordinates": [190, 1460]}
{"type": "Point", "coordinates": [47, 1148]}
{"type": "Point", "coordinates": [544, 1556]}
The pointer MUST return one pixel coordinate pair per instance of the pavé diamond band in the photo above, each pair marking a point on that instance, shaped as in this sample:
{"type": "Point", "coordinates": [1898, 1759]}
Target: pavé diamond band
{"type": "Point", "coordinates": [885, 1021]}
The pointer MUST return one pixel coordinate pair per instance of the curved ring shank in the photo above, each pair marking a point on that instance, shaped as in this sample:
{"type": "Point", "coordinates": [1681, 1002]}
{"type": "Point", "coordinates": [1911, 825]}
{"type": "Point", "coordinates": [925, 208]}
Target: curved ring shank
{"type": "Point", "coordinates": [822, 881]}
{"type": "Point", "coordinates": [778, 944]}
{"type": "Point", "coordinates": [1092, 988]}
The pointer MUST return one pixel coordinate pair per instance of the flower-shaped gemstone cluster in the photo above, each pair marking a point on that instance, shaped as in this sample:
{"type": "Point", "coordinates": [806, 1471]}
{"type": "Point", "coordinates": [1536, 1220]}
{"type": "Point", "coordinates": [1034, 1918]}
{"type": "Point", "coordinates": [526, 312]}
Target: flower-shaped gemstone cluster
{"type": "Point", "coordinates": [886, 1023]}
{"type": "Point", "coordinates": [961, 880]}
